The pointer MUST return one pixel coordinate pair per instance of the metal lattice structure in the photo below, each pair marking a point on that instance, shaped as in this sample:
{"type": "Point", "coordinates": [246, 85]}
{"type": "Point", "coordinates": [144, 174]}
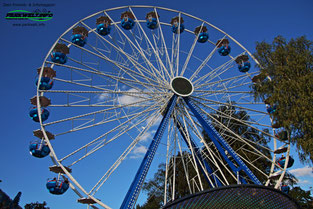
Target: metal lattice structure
{"type": "Point", "coordinates": [142, 66]}
{"type": "Point", "coordinates": [236, 197]}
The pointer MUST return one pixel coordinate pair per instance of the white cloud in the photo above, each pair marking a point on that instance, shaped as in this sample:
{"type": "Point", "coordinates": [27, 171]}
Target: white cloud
{"type": "Point", "coordinates": [301, 172]}
{"type": "Point", "coordinates": [102, 97]}
{"type": "Point", "coordinates": [304, 182]}
{"type": "Point", "coordinates": [156, 122]}
{"type": "Point", "coordinates": [126, 99]}
{"type": "Point", "coordinates": [146, 136]}
{"type": "Point", "coordinates": [138, 152]}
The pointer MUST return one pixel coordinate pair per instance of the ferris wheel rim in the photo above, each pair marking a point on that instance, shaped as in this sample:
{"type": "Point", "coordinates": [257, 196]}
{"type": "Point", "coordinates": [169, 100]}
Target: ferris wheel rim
{"type": "Point", "coordinates": [41, 93]}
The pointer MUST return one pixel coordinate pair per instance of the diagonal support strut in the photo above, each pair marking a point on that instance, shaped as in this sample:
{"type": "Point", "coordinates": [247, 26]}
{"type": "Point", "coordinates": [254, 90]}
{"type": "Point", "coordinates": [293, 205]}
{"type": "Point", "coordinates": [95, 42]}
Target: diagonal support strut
{"type": "Point", "coordinates": [222, 145]}
{"type": "Point", "coordinates": [199, 158]}
{"type": "Point", "coordinates": [133, 192]}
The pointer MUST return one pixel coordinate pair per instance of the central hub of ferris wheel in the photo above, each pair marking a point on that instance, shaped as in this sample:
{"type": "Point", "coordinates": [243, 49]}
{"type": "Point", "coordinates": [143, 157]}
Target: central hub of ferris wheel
{"type": "Point", "coordinates": [182, 86]}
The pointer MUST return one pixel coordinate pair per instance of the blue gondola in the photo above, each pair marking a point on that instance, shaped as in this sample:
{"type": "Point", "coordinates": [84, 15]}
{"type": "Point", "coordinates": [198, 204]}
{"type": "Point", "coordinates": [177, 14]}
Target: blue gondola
{"type": "Point", "coordinates": [103, 30]}
{"type": "Point", "coordinates": [281, 161]}
{"type": "Point", "coordinates": [45, 83]}
{"type": "Point", "coordinates": [58, 57]}
{"type": "Point", "coordinates": [175, 29]}
{"type": "Point", "coordinates": [285, 189]}
{"type": "Point", "coordinates": [271, 109]}
{"type": "Point", "coordinates": [244, 67]}
{"type": "Point", "coordinates": [152, 23]}
{"type": "Point", "coordinates": [39, 149]}
{"type": "Point", "coordinates": [203, 37]}
{"type": "Point", "coordinates": [33, 113]}
{"type": "Point", "coordinates": [79, 40]}
{"type": "Point", "coordinates": [224, 50]}
{"type": "Point", "coordinates": [57, 187]}
{"type": "Point", "coordinates": [127, 23]}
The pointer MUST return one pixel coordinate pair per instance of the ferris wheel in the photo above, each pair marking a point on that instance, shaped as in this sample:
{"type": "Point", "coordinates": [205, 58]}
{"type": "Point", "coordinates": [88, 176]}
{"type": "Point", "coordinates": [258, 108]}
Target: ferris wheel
{"type": "Point", "coordinates": [158, 82]}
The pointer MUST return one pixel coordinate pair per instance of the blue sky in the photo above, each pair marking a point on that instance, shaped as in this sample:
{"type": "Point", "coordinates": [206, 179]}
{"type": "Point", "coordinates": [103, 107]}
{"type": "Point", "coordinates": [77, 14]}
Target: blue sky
{"type": "Point", "coordinates": [23, 50]}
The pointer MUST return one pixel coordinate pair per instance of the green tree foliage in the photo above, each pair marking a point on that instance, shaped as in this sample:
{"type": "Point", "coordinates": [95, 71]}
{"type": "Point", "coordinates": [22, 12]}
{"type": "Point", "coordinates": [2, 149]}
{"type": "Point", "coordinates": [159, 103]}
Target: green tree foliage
{"type": "Point", "coordinates": [154, 189]}
{"type": "Point", "coordinates": [231, 123]}
{"type": "Point", "coordinates": [286, 79]}
{"type": "Point", "coordinates": [36, 205]}
{"type": "Point", "coordinates": [304, 198]}
{"type": "Point", "coordinates": [155, 186]}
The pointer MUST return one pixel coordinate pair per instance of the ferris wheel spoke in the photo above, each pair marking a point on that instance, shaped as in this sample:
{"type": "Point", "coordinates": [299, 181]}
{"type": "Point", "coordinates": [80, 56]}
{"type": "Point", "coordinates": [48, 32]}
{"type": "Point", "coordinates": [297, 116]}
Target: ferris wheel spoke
{"type": "Point", "coordinates": [253, 165]}
{"type": "Point", "coordinates": [158, 51]}
{"type": "Point", "coordinates": [106, 176]}
{"type": "Point", "coordinates": [175, 50]}
{"type": "Point", "coordinates": [106, 142]}
{"type": "Point", "coordinates": [225, 90]}
{"type": "Point", "coordinates": [205, 168]}
{"type": "Point", "coordinates": [216, 160]}
{"type": "Point", "coordinates": [154, 50]}
{"type": "Point", "coordinates": [174, 163]}
{"type": "Point", "coordinates": [141, 94]}
{"type": "Point", "coordinates": [226, 85]}
{"type": "Point", "coordinates": [136, 64]}
{"type": "Point", "coordinates": [189, 55]}
{"type": "Point", "coordinates": [214, 73]}
{"type": "Point", "coordinates": [110, 117]}
{"type": "Point", "coordinates": [139, 50]}
{"type": "Point", "coordinates": [192, 125]}
{"type": "Point", "coordinates": [184, 165]}
{"type": "Point", "coordinates": [100, 111]}
{"type": "Point", "coordinates": [116, 65]}
{"type": "Point", "coordinates": [178, 44]}
{"type": "Point", "coordinates": [164, 45]}
{"type": "Point", "coordinates": [132, 76]}
{"type": "Point", "coordinates": [127, 82]}
{"type": "Point", "coordinates": [144, 115]}
{"type": "Point", "coordinates": [198, 99]}
{"type": "Point", "coordinates": [208, 84]}
{"type": "Point", "coordinates": [193, 155]}
{"type": "Point", "coordinates": [246, 141]}
{"type": "Point", "coordinates": [197, 71]}
{"type": "Point", "coordinates": [115, 78]}
{"type": "Point", "coordinates": [247, 123]}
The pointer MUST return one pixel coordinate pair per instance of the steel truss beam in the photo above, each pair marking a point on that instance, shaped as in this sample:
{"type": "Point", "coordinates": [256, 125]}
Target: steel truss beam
{"type": "Point", "coordinates": [133, 192]}
{"type": "Point", "coordinates": [199, 158]}
{"type": "Point", "coordinates": [222, 145]}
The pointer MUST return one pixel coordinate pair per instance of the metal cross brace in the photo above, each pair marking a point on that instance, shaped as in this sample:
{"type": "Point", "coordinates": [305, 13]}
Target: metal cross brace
{"type": "Point", "coordinates": [199, 157]}
{"type": "Point", "coordinates": [133, 192]}
{"type": "Point", "coordinates": [221, 144]}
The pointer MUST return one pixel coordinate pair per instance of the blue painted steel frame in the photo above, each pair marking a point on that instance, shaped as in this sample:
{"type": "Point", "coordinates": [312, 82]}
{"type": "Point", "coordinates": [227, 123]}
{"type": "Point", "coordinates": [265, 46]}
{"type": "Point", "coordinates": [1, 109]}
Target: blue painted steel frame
{"type": "Point", "coordinates": [199, 157]}
{"type": "Point", "coordinates": [221, 144]}
{"type": "Point", "coordinates": [133, 192]}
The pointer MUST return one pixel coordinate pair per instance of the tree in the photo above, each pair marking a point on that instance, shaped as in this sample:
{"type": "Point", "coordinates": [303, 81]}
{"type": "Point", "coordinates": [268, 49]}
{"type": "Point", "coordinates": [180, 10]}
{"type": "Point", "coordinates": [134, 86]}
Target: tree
{"type": "Point", "coordinates": [230, 122]}
{"type": "Point", "coordinates": [36, 205]}
{"type": "Point", "coordinates": [286, 79]}
{"type": "Point", "coordinates": [154, 189]}
{"type": "Point", "coordinates": [304, 198]}
{"type": "Point", "coordinates": [7, 203]}
{"type": "Point", "coordinates": [155, 186]}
